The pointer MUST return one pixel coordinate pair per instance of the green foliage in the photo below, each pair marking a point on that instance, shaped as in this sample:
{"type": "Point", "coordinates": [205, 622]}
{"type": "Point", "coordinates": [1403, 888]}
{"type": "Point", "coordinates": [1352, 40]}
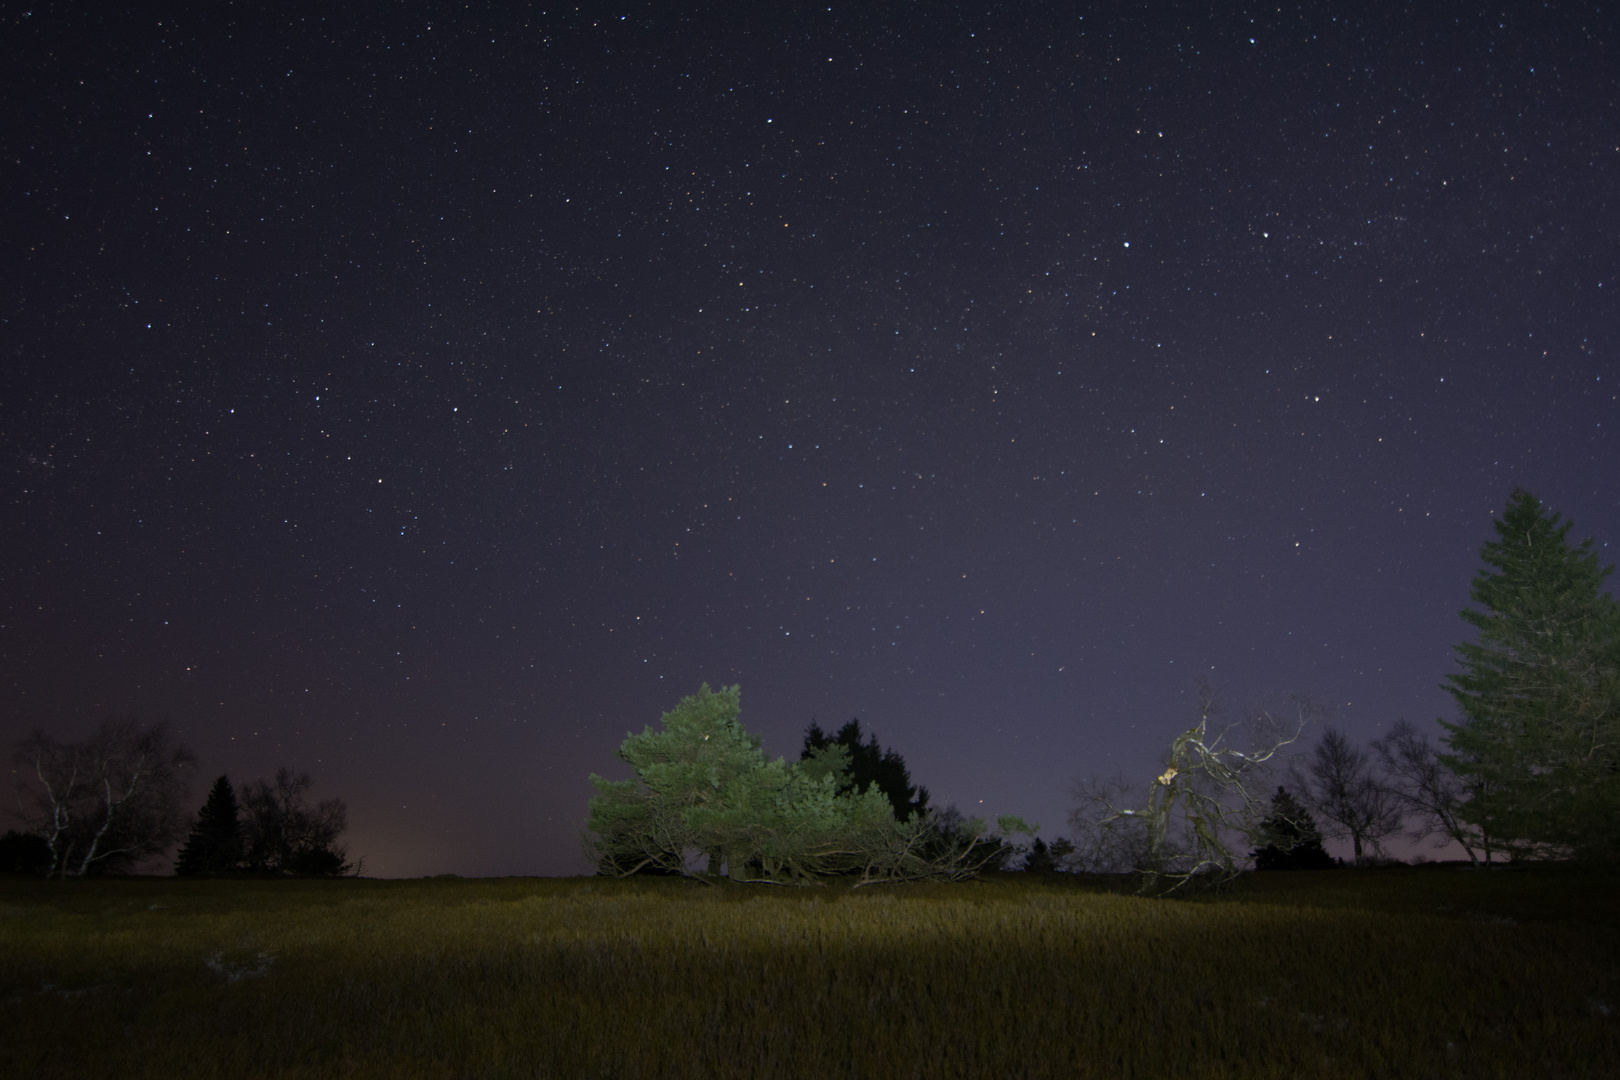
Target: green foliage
{"type": "Point", "coordinates": [703, 788]}
{"type": "Point", "coordinates": [1289, 837]}
{"type": "Point", "coordinates": [1538, 742]}
{"type": "Point", "coordinates": [215, 844]}
{"type": "Point", "coordinates": [1390, 973]}
{"type": "Point", "coordinates": [870, 764]}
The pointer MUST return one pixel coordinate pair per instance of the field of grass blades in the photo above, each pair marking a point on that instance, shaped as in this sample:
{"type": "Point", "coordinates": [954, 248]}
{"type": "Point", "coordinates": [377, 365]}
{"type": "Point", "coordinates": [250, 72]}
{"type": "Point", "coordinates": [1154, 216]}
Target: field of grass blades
{"type": "Point", "coordinates": [1400, 976]}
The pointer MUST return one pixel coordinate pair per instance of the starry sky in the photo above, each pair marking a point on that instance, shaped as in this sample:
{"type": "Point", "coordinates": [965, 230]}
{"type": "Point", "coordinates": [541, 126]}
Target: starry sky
{"type": "Point", "coordinates": [427, 396]}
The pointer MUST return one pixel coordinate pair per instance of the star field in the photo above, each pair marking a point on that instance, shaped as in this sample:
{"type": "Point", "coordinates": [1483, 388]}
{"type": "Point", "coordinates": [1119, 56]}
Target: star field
{"type": "Point", "coordinates": [425, 399]}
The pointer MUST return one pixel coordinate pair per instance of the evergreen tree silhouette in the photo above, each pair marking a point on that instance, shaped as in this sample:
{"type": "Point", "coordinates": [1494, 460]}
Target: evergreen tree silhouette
{"type": "Point", "coordinates": [871, 764]}
{"type": "Point", "coordinates": [1293, 841]}
{"type": "Point", "coordinates": [215, 844]}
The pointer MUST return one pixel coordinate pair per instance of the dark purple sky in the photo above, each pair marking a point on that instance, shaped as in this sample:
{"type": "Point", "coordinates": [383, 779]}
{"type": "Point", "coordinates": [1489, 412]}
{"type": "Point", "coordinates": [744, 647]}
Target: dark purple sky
{"type": "Point", "coordinates": [426, 398]}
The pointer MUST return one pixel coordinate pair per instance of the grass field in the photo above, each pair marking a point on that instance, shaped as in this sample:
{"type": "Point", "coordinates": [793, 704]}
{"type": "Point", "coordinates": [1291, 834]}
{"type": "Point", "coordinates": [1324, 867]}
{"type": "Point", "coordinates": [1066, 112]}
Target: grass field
{"type": "Point", "coordinates": [1379, 973]}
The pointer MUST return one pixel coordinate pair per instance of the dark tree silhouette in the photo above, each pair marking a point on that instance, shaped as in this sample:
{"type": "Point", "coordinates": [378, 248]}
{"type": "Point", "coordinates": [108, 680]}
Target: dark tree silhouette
{"type": "Point", "coordinates": [108, 802]}
{"type": "Point", "coordinates": [24, 853]}
{"type": "Point", "coordinates": [1293, 841]}
{"type": "Point", "coordinates": [283, 834]}
{"type": "Point", "coordinates": [1432, 793]}
{"type": "Point", "coordinates": [1340, 782]}
{"type": "Point", "coordinates": [871, 764]}
{"type": "Point", "coordinates": [1044, 858]}
{"type": "Point", "coordinates": [215, 844]}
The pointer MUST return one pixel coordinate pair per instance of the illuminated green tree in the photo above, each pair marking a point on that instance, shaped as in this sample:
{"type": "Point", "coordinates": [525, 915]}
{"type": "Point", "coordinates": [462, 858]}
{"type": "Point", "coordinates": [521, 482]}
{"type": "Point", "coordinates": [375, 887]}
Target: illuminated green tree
{"type": "Point", "coordinates": [702, 788]}
{"type": "Point", "coordinates": [871, 764]}
{"type": "Point", "coordinates": [1538, 743]}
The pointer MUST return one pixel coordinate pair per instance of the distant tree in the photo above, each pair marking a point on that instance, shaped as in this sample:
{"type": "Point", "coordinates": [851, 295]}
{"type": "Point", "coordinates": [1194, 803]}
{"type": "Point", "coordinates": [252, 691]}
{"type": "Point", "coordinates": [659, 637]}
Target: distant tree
{"type": "Point", "coordinates": [1044, 858]}
{"type": "Point", "coordinates": [1340, 783]}
{"type": "Point", "coordinates": [1430, 793]}
{"type": "Point", "coordinates": [1199, 809]}
{"type": "Point", "coordinates": [283, 834]}
{"type": "Point", "coordinates": [215, 844]}
{"type": "Point", "coordinates": [24, 853]}
{"type": "Point", "coordinates": [1538, 742]}
{"type": "Point", "coordinates": [1290, 838]}
{"type": "Point", "coordinates": [108, 802]}
{"type": "Point", "coordinates": [870, 764]}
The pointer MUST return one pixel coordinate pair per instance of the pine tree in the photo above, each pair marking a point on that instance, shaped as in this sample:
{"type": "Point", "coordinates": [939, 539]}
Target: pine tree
{"type": "Point", "coordinates": [1292, 840]}
{"type": "Point", "coordinates": [215, 843]}
{"type": "Point", "coordinates": [870, 764]}
{"type": "Point", "coordinates": [1538, 743]}
{"type": "Point", "coordinates": [702, 783]}
{"type": "Point", "coordinates": [702, 786]}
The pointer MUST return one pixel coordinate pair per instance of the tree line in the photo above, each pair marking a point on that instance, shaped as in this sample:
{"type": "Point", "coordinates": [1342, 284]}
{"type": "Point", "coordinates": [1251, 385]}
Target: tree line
{"type": "Point", "coordinates": [1529, 770]}
{"type": "Point", "coordinates": [115, 801]}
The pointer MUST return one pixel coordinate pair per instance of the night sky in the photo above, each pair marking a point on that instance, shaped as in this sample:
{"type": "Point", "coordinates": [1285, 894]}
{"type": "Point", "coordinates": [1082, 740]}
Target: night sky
{"type": "Point", "coordinates": [426, 398]}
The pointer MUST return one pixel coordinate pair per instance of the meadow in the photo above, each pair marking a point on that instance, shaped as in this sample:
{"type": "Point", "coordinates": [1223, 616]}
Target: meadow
{"type": "Point", "coordinates": [1349, 973]}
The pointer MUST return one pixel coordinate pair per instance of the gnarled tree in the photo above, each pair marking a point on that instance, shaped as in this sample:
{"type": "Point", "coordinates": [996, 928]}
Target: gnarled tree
{"type": "Point", "coordinates": [1203, 812]}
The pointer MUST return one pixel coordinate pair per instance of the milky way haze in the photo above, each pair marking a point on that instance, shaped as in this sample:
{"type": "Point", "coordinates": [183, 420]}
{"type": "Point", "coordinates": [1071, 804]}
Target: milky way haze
{"type": "Point", "coordinates": [425, 399]}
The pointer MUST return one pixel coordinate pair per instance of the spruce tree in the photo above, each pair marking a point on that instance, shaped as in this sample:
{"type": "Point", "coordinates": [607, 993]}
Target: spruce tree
{"type": "Point", "coordinates": [870, 764]}
{"type": "Point", "coordinates": [215, 843]}
{"type": "Point", "coordinates": [1292, 840]}
{"type": "Point", "coordinates": [1538, 742]}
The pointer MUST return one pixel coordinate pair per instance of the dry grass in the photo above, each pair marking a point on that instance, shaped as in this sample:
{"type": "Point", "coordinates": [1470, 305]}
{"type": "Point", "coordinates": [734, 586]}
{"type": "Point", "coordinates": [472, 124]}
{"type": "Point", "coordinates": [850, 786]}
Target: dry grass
{"type": "Point", "coordinates": [1352, 974]}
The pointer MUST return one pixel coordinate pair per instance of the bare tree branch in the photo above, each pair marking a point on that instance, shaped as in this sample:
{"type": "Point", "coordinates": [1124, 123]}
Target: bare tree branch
{"type": "Point", "coordinates": [1339, 784]}
{"type": "Point", "coordinates": [1210, 794]}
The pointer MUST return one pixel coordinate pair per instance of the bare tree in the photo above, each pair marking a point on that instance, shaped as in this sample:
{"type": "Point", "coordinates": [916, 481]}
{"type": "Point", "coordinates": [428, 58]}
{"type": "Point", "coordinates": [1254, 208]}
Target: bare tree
{"type": "Point", "coordinates": [108, 802]}
{"type": "Point", "coordinates": [1210, 793]}
{"type": "Point", "coordinates": [1430, 792]}
{"type": "Point", "coordinates": [1105, 842]}
{"type": "Point", "coordinates": [283, 834]}
{"type": "Point", "coordinates": [1340, 785]}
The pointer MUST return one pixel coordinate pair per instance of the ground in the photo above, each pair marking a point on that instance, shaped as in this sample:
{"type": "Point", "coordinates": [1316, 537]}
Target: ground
{"type": "Point", "coordinates": [1345, 973]}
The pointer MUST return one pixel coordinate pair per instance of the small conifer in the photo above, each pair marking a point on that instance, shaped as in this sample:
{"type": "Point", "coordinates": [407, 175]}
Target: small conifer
{"type": "Point", "coordinates": [1292, 840]}
{"type": "Point", "coordinates": [215, 844]}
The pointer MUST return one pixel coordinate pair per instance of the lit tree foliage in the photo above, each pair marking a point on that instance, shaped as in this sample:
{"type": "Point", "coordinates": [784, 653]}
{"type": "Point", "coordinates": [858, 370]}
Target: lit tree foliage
{"type": "Point", "coordinates": [703, 788]}
{"type": "Point", "coordinates": [1538, 742]}
{"type": "Point", "coordinates": [870, 764]}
